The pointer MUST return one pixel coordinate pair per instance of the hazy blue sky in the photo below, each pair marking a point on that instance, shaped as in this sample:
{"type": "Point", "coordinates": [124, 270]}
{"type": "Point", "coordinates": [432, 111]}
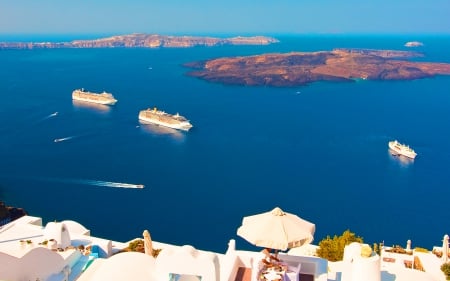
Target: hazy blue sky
{"type": "Point", "coordinates": [224, 16]}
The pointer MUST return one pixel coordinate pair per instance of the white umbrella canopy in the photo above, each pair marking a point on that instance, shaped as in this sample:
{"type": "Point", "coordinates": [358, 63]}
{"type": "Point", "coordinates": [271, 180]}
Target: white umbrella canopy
{"type": "Point", "coordinates": [276, 230]}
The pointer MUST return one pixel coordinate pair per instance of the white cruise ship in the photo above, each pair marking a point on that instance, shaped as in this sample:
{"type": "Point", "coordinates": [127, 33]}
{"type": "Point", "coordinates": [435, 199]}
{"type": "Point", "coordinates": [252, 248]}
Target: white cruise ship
{"type": "Point", "coordinates": [402, 149]}
{"type": "Point", "coordinates": [413, 44]}
{"type": "Point", "coordinates": [102, 98]}
{"type": "Point", "coordinates": [158, 117]}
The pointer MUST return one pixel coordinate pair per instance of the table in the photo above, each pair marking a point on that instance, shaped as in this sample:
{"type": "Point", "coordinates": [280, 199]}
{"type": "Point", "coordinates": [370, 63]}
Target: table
{"type": "Point", "coordinates": [276, 273]}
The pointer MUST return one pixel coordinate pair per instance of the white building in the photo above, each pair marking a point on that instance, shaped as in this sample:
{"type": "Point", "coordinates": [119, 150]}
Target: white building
{"type": "Point", "coordinates": [59, 251]}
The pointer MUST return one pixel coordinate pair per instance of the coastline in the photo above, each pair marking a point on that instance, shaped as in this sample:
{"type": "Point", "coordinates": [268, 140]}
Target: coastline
{"type": "Point", "coordinates": [141, 40]}
{"type": "Point", "coordinates": [302, 68]}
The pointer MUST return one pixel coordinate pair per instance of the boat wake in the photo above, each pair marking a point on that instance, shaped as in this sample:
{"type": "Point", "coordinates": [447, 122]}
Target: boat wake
{"type": "Point", "coordinates": [48, 117]}
{"type": "Point", "coordinates": [63, 139]}
{"type": "Point", "coordinates": [82, 135]}
{"type": "Point", "coordinates": [93, 183]}
{"type": "Point", "coordinates": [111, 184]}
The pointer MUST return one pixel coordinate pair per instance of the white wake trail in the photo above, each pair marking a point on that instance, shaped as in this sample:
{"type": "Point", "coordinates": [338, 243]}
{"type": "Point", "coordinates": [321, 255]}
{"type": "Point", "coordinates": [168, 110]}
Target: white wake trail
{"type": "Point", "coordinates": [64, 139]}
{"type": "Point", "coordinates": [48, 117]}
{"type": "Point", "coordinates": [114, 184]}
{"type": "Point", "coordinates": [94, 183]}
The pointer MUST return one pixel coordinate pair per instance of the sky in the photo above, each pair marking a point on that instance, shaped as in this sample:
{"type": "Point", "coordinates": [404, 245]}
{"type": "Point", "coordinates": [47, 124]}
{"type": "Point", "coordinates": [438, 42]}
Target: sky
{"type": "Point", "coordinates": [240, 17]}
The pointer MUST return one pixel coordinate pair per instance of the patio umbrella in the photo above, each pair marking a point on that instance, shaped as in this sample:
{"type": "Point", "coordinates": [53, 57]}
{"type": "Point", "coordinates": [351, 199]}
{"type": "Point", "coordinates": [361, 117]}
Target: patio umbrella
{"type": "Point", "coordinates": [445, 249]}
{"type": "Point", "coordinates": [147, 243]}
{"type": "Point", "coordinates": [276, 230]}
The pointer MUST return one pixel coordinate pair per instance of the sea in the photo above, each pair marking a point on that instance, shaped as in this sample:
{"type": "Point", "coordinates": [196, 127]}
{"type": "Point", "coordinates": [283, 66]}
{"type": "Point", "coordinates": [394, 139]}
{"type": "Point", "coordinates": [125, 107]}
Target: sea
{"type": "Point", "coordinates": [318, 151]}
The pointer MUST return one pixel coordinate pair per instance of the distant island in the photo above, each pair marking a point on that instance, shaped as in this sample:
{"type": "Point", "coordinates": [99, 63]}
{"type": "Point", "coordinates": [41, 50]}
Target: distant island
{"type": "Point", "coordinates": [140, 40]}
{"type": "Point", "coordinates": [301, 68]}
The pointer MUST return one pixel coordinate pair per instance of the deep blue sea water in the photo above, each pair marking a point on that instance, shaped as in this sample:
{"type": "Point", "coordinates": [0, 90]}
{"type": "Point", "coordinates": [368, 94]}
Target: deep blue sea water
{"type": "Point", "coordinates": [321, 154]}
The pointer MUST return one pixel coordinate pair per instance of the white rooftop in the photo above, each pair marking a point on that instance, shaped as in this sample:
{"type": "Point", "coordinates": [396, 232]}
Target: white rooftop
{"type": "Point", "coordinates": [23, 249]}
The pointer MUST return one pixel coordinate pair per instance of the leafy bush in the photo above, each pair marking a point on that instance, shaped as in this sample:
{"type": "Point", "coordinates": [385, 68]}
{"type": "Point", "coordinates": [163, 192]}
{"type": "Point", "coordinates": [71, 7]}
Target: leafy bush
{"type": "Point", "coordinates": [138, 246]}
{"type": "Point", "coordinates": [446, 269]}
{"type": "Point", "coordinates": [332, 249]}
{"type": "Point", "coordinates": [422, 250]}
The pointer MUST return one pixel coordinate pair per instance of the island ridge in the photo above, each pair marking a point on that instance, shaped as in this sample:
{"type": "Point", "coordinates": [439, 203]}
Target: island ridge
{"type": "Point", "coordinates": [301, 68]}
{"type": "Point", "coordinates": [141, 40]}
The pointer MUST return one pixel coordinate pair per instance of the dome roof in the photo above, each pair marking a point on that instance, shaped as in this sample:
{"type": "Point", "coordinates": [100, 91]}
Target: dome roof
{"type": "Point", "coordinates": [75, 227]}
{"type": "Point", "coordinates": [59, 232]}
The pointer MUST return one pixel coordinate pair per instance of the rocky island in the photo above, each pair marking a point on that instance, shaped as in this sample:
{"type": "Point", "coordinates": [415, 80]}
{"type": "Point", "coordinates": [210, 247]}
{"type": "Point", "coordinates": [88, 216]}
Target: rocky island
{"type": "Point", "coordinates": [301, 68]}
{"type": "Point", "coordinates": [140, 40]}
{"type": "Point", "coordinates": [8, 213]}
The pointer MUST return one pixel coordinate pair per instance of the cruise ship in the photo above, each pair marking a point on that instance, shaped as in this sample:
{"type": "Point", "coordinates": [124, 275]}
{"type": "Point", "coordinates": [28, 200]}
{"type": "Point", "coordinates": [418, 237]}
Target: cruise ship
{"type": "Point", "coordinates": [158, 117]}
{"type": "Point", "coordinates": [402, 149]}
{"type": "Point", "coordinates": [102, 98]}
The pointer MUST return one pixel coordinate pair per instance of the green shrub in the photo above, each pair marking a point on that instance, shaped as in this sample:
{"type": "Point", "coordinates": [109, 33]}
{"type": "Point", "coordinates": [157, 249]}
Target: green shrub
{"type": "Point", "coordinates": [332, 249]}
{"type": "Point", "coordinates": [422, 250]}
{"type": "Point", "coordinates": [138, 246]}
{"type": "Point", "coordinates": [446, 269]}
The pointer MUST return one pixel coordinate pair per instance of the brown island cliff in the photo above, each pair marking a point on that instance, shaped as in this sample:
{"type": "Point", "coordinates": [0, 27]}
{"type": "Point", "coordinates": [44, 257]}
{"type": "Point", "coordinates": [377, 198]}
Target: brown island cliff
{"type": "Point", "coordinates": [8, 213]}
{"type": "Point", "coordinates": [141, 40]}
{"type": "Point", "coordinates": [300, 68]}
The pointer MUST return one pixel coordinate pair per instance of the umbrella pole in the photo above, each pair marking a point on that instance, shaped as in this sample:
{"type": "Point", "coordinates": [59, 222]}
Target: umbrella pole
{"type": "Point", "coordinates": [271, 257]}
{"type": "Point", "coordinates": [275, 256]}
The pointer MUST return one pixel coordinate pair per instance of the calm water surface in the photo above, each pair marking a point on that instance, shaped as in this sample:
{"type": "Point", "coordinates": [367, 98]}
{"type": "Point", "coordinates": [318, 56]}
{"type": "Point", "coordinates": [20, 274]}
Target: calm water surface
{"type": "Point", "coordinates": [321, 153]}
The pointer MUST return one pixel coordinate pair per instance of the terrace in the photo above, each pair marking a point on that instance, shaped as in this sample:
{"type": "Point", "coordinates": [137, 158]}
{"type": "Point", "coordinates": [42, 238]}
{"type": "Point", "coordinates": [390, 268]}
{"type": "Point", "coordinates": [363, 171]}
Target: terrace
{"type": "Point", "coordinates": [70, 257]}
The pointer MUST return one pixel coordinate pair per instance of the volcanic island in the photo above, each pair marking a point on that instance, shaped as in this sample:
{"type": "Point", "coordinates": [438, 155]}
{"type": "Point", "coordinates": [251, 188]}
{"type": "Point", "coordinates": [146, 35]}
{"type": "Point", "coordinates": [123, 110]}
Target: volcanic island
{"type": "Point", "coordinates": [301, 68]}
{"type": "Point", "coordinates": [143, 40]}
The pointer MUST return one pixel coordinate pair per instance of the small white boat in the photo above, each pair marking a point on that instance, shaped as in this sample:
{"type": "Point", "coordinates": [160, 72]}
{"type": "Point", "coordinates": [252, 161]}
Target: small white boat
{"type": "Point", "coordinates": [402, 149]}
{"type": "Point", "coordinates": [413, 44]}
{"type": "Point", "coordinates": [62, 139]}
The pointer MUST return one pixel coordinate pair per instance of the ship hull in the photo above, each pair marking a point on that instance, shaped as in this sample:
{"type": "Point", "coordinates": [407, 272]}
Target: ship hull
{"type": "Point", "coordinates": [184, 126]}
{"type": "Point", "coordinates": [102, 98]}
{"type": "Point", "coordinates": [400, 151]}
{"type": "Point", "coordinates": [105, 102]}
